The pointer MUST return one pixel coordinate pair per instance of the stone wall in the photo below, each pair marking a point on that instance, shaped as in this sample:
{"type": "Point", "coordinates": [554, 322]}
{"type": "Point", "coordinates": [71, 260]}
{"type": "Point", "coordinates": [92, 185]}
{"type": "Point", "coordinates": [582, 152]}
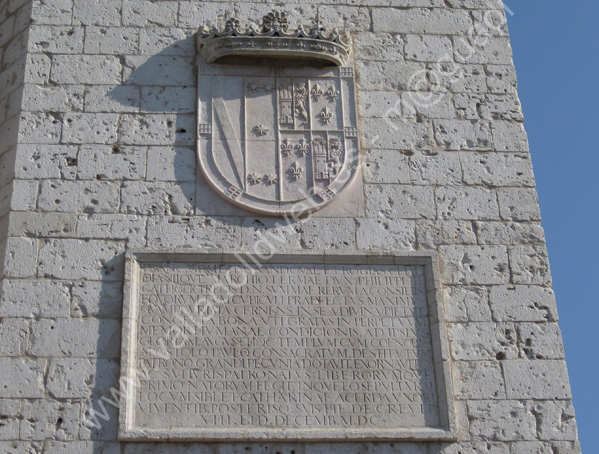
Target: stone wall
{"type": "Point", "coordinates": [105, 160]}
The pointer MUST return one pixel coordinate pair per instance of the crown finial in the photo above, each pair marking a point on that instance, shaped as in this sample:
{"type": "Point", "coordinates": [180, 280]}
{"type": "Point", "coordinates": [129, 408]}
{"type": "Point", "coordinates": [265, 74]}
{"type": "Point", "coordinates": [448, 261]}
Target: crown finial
{"type": "Point", "coordinates": [273, 38]}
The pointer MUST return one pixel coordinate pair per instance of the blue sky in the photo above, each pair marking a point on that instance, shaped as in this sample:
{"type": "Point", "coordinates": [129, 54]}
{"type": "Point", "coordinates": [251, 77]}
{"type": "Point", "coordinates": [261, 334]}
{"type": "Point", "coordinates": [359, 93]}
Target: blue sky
{"type": "Point", "coordinates": [556, 52]}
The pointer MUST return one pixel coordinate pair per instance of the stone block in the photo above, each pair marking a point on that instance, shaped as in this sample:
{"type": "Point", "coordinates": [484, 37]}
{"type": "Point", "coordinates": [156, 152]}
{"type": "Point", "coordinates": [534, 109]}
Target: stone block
{"type": "Point", "coordinates": [24, 195]}
{"type": "Point", "coordinates": [478, 380]}
{"type": "Point", "coordinates": [509, 136]}
{"type": "Point", "coordinates": [467, 304]}
{"type": "Point", "coordinates": [43, 419]}
{"type": "Point", "coordinates": [76, 378]}
{"type": "Point", "coordinates": [157, 198]}
{"type": "Point", "coordinates": [79, 196]}
{"type": "Point", "coordinates": [379, 104]}
{"type": "Point", "coordinates": [519, 204]}
{"type": "Point", "coordinates": [168, 41]}
{"type": "Point", "coordinates": [422, 21]}
{"type": "Point", "coordinates": [501, 420]}
{"type": "Point", "coordinates": [111, 162]}
{"type": "Point", "coordinates": [193, 15]}
{"type": "Point", "coordinates": [21, 257]}
{"type": "Point", "coordinates": [556, 422]}
{"type": "Point", "coordinates": [428, 48]}
{"type": "Point", "coordinates": [386, 235]}
{"type": "Point", "coordinates": [167, 70]}
{"type": "Point", "coordinates": [75, 338]}
{"type": "Point", "coordinates": [171, 164]}
{"type": "Point", "coordinates": [100, 416]}
{"type": "Point", "coordinates": [22, 378]}
{"type": "Point", "coordinates": [81, 259]}
{"type": "Point", "coordinates": [326, 234]}
{"type": "Point", "coordinates": [40, 128]}
{"type": "Point", "coordinates": [35, 298]}
{"type": "Point", "coordinates": [497, 169]}
{"type": "Point", "coordinates": [86, 69]}
{"type": "Point", "coordinates": [157, 129]}
{"type": "Point", "coordinates": [379, 46]}
{"type": "Point", "coordinates": [536, 379]}
{"type": "Point", "coordinates": [89, 128]}
{"type": "Point", "coordinates": [463, 135]}
{"type": "Point", "coordinates": [470, 448]}
{"type": "Point", "coordinates": [509, 233]}
{"type": "Point", "coordinates": [10, 412]}
{"type": "Point", "coordinates": [523, 303]}
{"type": "Point", "coordinates": [111, 40]}
{"type": "Point", "coordinates": [501, 79]}
{"type": "Point", "coordinates": [431, 234]}
{"type": "Point", "coordinates": [144, 14]}
{"type": "Point", "coordinates": [389, 75]}
{"type": "Point", "coordinates": [168, 99]}
{"type": "Point", "coordinates": [491, 22]}
{"type": "Point", "coordinates": [488, 107]}
{"type": "Point", "coordinates": [386, 166]}
{"type": "Point", "coordinates": [474, 265]}
{"type": "Point", "coordinates": [56, 40]}
{"type": "Point", "coordinates": [53, 12]}
{"type": "Point", "coordinates": [529, 265]}
{"type": "Point", "coordinates": [97, 299]}
{"type": "Point", "coordinates": [385, 134]}
{"type": "Point", "coordinates": [111, 98]}
{"type": "Point", "coordinates": [193, 232]}
{"type": "Point", "coordinates": [540, 341]}
{"type": "Point", "coordinates": [435, 168]}
{"type": "Point", "coordinates": [97, 12]}
{"type": "Point", "coordinates": [466, 203]}
{"type": "Point", "coordinates": [14, 333]}
{"type": "Point", "coordinates": [344, 17]}
{"type": "Point", "coordinates": [482, 50]}
{"type": "Point", "coordinates": [399, 202]}
{"type": "Point", "coordinates": [419, 104]}
{"type": "Point", "coordinates": [483, 341]}
{"type": "Point", "coordinates": [266, 236]}
{"type": "Point", "coordinates": [82, 447]}
{"type": "Point", "coordinates": [130, 228]}
{"type": "Point", "coordinates": [46, 161]}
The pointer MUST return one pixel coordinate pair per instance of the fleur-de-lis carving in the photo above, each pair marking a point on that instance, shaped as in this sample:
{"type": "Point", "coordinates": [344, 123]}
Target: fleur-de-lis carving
{"type": "Point", "coordinates": [303, 147]}
{"type": "Point", "coordinates": [326, 116]}
{"type": "Point", "coordinates": [286, 147]}
{"type": "Point", "coordinates": [317, 92]}
{"type": "Point", "coordinates": [296, 171]}
{"type": "Point", "coordinates": [332, 93]}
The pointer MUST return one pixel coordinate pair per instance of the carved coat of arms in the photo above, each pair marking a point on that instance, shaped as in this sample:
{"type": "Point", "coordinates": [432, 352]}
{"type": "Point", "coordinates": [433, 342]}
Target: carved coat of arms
{"type": "Point", "coordinates": [277, 140]}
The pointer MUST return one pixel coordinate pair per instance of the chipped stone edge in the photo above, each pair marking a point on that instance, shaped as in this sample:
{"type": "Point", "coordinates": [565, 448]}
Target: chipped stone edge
{"type": "Point", "coordinates": [447, 430]}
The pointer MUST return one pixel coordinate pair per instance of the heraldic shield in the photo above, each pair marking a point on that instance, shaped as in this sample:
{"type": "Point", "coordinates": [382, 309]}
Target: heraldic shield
{"type": "Point", "coordinates": [277, 141]}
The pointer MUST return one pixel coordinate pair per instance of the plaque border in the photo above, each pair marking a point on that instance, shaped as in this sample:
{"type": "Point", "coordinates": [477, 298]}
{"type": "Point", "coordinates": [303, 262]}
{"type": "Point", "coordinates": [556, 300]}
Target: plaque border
{"type": "Point", "coordinates": [446, 431]}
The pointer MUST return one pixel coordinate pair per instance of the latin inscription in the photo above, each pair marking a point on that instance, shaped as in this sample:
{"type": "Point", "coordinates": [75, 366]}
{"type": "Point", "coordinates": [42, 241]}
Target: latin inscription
{"type": "Point", "coordinates": [285, 346]}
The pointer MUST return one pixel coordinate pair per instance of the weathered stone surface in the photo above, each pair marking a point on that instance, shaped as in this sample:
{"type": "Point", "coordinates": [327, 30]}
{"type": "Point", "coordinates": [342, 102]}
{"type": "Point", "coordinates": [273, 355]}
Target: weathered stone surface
{"type": "Point", "coordinates": [536, 379]}
{"type": "Point", "coordinates": [22, 378]}
{"type": "Point", "coordinates": [506, 420]}
{"type": "Point", "coordinates": [479, 341]}
{"type": "Point", "coordinates": [90, 338]}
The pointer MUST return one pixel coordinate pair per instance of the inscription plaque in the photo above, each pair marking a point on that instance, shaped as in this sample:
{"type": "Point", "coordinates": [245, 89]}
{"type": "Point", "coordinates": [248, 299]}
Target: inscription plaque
{"type": "Point", "coordinates": [340, 347]}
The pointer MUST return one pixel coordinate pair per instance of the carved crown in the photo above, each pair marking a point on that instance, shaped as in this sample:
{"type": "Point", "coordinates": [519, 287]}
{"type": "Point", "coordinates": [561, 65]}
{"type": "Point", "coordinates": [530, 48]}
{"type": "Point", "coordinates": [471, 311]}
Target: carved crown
{"type": "Point", "coordinates": [273, 38]}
